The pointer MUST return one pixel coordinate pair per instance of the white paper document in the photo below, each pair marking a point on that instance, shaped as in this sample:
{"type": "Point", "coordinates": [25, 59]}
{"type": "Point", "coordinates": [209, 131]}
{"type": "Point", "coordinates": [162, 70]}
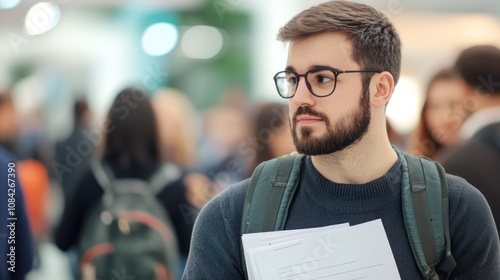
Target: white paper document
{"type": "Point", "coordinates": [334, 252]}
{"type": "Point", "coordinates": [262, 239]}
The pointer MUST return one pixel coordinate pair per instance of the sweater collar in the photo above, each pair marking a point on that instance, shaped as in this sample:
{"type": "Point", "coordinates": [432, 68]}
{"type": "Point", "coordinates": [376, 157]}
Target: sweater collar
{"type": "Point", "coordinates": [382, 188]}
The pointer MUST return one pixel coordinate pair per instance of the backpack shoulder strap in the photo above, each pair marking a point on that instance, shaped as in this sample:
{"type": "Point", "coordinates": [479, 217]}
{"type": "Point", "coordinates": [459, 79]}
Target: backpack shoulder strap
{"type": "Point", "coordinates": [112, 186]}
{"type": "Point", "coordinates": [166, 174]}
{"type": "Point", "coordinates": [269, 194]}
{"type": "Point", "coordinates": [105, 179]}
{"type": "Point", "coordinates": [426, 214]}
{"type": "Point", "coordinates": [103, 175]}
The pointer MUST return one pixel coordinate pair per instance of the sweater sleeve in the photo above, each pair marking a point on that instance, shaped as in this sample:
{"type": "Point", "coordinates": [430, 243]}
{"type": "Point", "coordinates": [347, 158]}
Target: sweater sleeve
{"type": "Point", "coordinates": [474, 237]}
{"type": "Point", "coordinates": [215, 244]}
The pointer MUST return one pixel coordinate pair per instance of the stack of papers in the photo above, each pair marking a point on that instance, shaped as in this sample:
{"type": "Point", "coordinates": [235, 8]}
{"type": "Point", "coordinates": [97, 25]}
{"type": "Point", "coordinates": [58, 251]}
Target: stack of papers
{"type": "Point", "coordinates": [332, 252]}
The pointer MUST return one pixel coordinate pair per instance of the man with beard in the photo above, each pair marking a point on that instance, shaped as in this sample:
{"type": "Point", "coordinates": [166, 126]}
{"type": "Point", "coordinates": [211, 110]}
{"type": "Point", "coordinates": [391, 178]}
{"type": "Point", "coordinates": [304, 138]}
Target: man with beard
{"type": "Point", "coordinates": [343, 62]}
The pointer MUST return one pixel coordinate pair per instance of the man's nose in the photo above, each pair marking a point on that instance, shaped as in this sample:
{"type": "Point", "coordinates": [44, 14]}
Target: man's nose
{"type": "Point", "coordinates": [303, 96]}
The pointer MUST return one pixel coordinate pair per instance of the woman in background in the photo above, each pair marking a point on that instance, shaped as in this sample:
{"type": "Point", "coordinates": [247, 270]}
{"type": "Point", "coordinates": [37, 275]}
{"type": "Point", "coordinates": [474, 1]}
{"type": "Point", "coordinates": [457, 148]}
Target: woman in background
{"type": "Point", "coordinates": [441, 117]}
{"type": "Point", "coordinates": [131, 150]}
{"type": "Point", "coordinates": [272, 134]}
{"type": "Point", "coordinates": [177, 125]}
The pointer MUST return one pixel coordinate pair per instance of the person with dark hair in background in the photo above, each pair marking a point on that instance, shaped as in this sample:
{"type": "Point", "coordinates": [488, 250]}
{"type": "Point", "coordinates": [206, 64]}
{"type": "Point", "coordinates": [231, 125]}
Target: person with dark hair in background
{"type": "Point", "coordinates": [17, 248]}
{"type": "Point", "coordinates": [478, 159]}
{"type": "Point", "coordinates": [271, 133]}
{"type": "Point", "coordinates": [68, 179]}
{"type": "Point", "coordinates": [344, 60]}
{"type": "Point", "coordinates": [443, 112]}
{"type": "Point", "coordinates": [131, 150]}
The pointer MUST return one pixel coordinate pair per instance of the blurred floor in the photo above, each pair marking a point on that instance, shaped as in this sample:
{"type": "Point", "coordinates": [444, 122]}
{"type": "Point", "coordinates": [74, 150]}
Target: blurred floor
{"type": "Point", "coordinates": [54, 264]}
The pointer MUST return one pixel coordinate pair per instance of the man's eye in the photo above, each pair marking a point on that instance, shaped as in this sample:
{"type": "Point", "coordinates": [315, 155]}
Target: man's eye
{"type": "Point", "coordinates": [324, 79]}
{"type": "Point", "coordinates": [292, 80]}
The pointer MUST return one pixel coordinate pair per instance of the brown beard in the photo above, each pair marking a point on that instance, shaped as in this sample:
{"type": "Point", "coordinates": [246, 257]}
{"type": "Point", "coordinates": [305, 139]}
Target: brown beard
{"type": "Point", "coordinates": [345, 132]}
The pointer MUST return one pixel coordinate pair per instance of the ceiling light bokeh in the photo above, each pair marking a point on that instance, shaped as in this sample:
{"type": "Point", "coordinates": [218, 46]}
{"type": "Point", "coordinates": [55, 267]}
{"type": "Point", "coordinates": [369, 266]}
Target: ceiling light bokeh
{"type": "Point", "coordinates": [9, 4]}
{"type": "Point", "coordinates": [202, 42]}
{"type": "Point", "coordinates": [159, 39]}
{"type": "Point", "coordinates": [41, 18]}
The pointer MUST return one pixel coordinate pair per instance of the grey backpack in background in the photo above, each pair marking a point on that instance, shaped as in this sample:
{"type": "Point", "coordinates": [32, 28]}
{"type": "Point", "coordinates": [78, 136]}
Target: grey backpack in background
{"type": "Point", "coordinates": [128, 235]}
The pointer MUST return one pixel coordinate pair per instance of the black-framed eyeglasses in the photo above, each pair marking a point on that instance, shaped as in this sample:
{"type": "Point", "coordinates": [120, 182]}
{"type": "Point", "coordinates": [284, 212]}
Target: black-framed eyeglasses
{"type": "Point", "coordinates": [320, 81]}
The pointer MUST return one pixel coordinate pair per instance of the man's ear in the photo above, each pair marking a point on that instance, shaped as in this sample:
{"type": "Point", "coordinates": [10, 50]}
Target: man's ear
{"type": "Point", "coordinates": [381, 88]}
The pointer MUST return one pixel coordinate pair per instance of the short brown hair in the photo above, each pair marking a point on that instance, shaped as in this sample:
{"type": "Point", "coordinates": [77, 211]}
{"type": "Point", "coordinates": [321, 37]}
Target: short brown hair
{"type": "Point", "coordinates": [376, 45]}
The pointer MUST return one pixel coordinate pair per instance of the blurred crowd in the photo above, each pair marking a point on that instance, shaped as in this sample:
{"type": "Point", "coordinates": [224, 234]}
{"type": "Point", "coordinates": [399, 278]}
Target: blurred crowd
{"type": "Point", "coordinates": [459, 126]}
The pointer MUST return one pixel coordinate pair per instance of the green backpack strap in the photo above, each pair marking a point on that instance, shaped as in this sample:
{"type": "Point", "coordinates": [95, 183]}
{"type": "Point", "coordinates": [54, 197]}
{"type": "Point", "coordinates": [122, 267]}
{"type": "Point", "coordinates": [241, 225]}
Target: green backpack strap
{"type": "Point", "coordinates": [269, 194]}
{"type": "Point", "coordinates": [272, 186]}
{"type": "Point", "coordinates": [426, 214]}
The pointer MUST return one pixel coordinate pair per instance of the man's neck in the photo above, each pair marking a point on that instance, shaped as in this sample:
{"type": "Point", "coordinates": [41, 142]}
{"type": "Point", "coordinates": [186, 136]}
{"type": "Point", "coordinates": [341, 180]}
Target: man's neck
{"type": "Point", "coordinates": [358, 164]}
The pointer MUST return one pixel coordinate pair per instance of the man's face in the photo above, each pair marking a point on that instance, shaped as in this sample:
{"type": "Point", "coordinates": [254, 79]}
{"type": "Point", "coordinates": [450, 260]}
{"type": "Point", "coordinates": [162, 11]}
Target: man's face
{"type": "Point", "coordinates": [324, 125]}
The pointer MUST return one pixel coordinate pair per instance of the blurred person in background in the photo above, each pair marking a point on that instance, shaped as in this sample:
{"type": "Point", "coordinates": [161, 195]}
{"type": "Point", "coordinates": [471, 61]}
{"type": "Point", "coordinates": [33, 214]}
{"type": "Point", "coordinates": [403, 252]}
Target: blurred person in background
{"type": "Point", "coordinates": [442, 115]}
{"type": "Point", "coordinates": [22, 132]}
{"type": "Point", "coordinates": [31, 173]}
{"type": "Point", "coordinates": [8, 122]}
{"type": "Point", "coordinates": [177, 123]}
{"type": "Point", "coordinates": [478, 158]}
{"type": "Point", "coordinates": [76, 147]}
{"type": "Point", "coordinates": [131, 150]}
{"type": "Point", "coordinates": [35, 184]}
{"type": "Point", "coordinates": [16, 257]}
{"type": "Point", "coordinates": [271, 136]}
{"type": "Point", "coordinates": [225, 128]}
{"type": "Point", "coordinates": [177, 127]}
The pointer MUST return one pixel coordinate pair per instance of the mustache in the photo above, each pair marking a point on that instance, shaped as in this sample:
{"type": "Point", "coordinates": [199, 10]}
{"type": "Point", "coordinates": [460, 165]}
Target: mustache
{"type": "Point", "coordinates": [308, 111]}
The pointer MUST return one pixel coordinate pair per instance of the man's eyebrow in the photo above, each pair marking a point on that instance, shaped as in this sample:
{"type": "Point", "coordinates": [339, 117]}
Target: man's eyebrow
{"type": "Point", "coordinates": [315, 66]}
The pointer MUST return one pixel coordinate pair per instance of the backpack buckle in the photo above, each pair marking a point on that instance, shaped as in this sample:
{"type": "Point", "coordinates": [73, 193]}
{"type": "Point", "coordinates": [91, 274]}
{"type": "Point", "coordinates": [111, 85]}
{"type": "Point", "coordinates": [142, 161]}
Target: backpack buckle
{"type": "Point", "coordinates": [124, 226]}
